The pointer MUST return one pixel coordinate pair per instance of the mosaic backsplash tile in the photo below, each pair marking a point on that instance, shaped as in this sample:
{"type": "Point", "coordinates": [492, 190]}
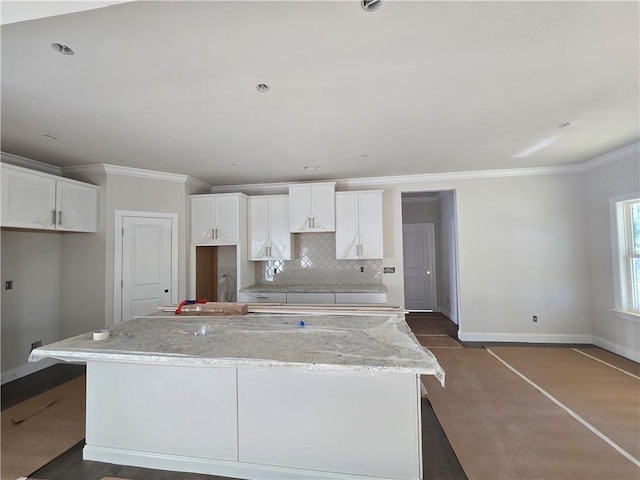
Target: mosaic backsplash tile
{"type": "Point", "coordinates": [315, 264]}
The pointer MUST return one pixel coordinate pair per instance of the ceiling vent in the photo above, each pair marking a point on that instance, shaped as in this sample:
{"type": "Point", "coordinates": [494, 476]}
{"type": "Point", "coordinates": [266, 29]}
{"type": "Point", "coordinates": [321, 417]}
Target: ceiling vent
{"type": "Point", "coordinates": [370, 5]}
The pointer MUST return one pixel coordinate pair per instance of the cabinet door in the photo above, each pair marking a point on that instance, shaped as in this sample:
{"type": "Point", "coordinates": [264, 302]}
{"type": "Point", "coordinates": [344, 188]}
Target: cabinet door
{"type": "Point", "coordinates": [279, 235]}
{"type": "Point", "coordinates": [312, 208]}
{"type": "Point", "coordinates": [28, 200]}
{"type": "Point", "coordinates": [359, 225]}
{"type": "Point", "coordinates": [323, 210]}
{"type": "Point", "coordinates": [370, 225]}
{"type": "Point", "coordinates": [227, 220]}
{"type": "Point", "coordinates": [347, 238]}
{"type": "Point", "coordinates": [258, 228]}
{"type": "Point", "coordinates": [76, 207]}
{"type": "Point", "coordinates": [299, 208]}
{"type": "Point", "coordinates": [202, 219]}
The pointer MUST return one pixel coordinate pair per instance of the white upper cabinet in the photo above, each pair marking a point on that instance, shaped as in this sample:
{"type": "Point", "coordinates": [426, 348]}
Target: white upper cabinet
{"type": "Point", "coordinates": [269, 236]}
{"type": "Point", "coordinates": [312, 207]}
{"type": "Point", "coordinates": [76, 207]}
{"type": "Point", "coordinates": [41, 201]}
{"type": "Point", "coordinates": [359, 225]}
{"type": "Point", "coordinates": [215, 219]}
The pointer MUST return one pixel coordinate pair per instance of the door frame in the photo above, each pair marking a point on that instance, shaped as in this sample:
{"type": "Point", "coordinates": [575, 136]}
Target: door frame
{"type": "Point", "coordinates": [117, 255]}
{"type": "Point", "coordinates": [434, 278]}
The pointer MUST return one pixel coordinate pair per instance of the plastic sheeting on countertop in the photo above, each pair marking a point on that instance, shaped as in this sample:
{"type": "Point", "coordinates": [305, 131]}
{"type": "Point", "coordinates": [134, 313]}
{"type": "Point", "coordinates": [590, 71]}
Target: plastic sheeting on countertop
{"type": "Point", "coordinates": [368, 344]}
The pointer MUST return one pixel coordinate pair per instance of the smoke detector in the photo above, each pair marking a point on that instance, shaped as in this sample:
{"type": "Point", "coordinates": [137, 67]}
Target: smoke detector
{"type": "Point", "coordinates": [370, 5]}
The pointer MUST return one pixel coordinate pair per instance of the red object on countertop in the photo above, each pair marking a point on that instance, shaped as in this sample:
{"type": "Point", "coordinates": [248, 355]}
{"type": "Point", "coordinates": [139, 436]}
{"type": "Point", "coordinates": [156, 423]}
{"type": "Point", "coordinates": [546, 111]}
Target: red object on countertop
{"type": "Point", "coordinates": [188, 302]}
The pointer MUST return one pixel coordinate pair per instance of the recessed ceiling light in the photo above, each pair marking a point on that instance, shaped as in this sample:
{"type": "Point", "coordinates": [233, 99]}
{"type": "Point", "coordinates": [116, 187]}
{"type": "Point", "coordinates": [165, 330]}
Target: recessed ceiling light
{"type": "Point", "coordinates": [364, 155]}
{"type": "Point", "coordinates": [63, 49]}
{"type": "Point", "coordinates": [233, 164]}
{"type": "Point", "coordinates": [564, 124]}
{"type": "Point", "coordinates": [312, 168]}
{"type": "Point", "coordinates": [262, 87]}
{"type": "Point", "coordinates": [370, 5]}
{"type": "Point", "coordinates": [50, 137]}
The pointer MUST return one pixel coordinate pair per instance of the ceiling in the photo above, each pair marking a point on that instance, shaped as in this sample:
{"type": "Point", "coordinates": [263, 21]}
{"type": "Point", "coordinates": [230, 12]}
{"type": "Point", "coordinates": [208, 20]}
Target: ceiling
{"type": "Point", "coordinates": [416, 87]}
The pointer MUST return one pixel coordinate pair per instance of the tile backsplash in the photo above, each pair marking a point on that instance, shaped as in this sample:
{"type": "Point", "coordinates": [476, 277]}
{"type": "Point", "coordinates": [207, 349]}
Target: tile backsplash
{"type": "Point", "coordinates": [315, 263]}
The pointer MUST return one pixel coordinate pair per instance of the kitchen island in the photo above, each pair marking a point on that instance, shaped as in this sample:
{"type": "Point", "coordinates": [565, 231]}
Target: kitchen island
{"type": "Point", "coordinates": [256, 396]}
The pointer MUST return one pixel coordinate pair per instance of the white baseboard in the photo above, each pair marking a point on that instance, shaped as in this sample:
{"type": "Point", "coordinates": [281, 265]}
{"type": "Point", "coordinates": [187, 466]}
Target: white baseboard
{"type": "Point", "coordinates": [524, 337]}
{"type": "Point", "coordinates": [619, 349]}
{"type": "Point", "coordinates": [235, 469]}
{"type": "Point", "coordinates": [27, 369]}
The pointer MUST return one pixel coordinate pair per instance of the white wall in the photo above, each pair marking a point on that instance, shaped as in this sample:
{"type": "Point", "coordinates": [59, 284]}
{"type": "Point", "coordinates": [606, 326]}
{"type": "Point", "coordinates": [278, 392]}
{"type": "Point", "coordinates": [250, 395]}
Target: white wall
{"type": "Point", "coordinates": [522, 252]}
{"type": "Point", "coordinates": [611, 331]}
{"type": "Point", "coordinates": [448, 264]}
{"type": "Point", "coordinates": [146, 195]}
{"type": "Point", "coordinates": [31, 310]}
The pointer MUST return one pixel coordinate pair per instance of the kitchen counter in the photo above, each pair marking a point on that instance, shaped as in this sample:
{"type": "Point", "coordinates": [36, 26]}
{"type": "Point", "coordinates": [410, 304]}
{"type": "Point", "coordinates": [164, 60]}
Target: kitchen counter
{"type": "Point", "coordinates": [325, 342]}
{"type": "Point", "coordinates": [256, 396]}
{"type": "Point", "coordinates": [364, 288]}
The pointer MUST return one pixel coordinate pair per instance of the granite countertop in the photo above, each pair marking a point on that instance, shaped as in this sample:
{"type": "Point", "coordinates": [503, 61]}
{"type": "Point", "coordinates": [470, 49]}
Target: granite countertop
{"type": "Point", "coordinates": [363, 288]}
{"type": "Point", "coordinates": [369, 344]}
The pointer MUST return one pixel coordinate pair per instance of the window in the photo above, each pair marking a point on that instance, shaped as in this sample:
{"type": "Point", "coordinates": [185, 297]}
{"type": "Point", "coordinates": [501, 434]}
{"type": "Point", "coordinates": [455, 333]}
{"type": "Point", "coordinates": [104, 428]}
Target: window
{"type": "Point", "coordinates": [627, 253]}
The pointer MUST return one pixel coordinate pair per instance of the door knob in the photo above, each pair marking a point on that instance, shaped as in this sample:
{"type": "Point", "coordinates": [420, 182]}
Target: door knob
{"type": "Point", "coordinates": [166, 290]}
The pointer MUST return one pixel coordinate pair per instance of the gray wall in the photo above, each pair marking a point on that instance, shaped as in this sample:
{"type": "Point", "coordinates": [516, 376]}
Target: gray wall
{"type": "Point", "coordinates": [31, 310]}
{"type": "Point", "coordinates": [609, 330]}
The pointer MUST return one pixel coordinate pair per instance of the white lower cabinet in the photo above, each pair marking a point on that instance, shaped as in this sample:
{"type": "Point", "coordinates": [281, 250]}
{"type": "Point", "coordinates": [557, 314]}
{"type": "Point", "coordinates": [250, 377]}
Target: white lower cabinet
{"type": "Point", "coordinates": [163, 410]}
{"type": "Point", "coordinates": [311, 298]}
{"type": "Point", "coordinates": [338, 422]}
{"type": "Point", "coordinates": [361, 298]}
{"type": "Point", "coordinates": [267, 297]}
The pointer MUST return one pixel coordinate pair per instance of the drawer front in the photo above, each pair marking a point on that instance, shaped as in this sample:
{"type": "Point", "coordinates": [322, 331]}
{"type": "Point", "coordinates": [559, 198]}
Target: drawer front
{"type": "Point", "coordinates": [361, 298]}
{"type": "Point", "coordinates": [266, 297]}
{"type": "Point", "coordinates": [311, 298]}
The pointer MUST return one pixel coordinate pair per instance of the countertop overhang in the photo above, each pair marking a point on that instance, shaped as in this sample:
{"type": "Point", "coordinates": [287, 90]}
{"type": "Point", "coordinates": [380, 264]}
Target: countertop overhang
{"type": "Point", "coordinates": [362, 344]}
{"type": "Point", "coordinates": [358, 288]}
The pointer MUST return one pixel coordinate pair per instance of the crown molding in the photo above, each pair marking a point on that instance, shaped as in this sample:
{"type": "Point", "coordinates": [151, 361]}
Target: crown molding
{"type": "Point", "coordinates": [134, 172]}
{"type": "Point", "coordinates": [18, 161]}
{"type": "Point", "coordinates": [341, 184]}
{"type": "Point", "coordinates": [619, 154]}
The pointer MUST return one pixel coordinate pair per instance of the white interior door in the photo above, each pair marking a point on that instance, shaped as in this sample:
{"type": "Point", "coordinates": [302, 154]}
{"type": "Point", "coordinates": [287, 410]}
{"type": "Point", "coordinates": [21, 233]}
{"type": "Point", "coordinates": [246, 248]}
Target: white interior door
{"type": "Point", "coordinates": [146, 265]}
{"type": "Point", "coordinates": [418, 242]}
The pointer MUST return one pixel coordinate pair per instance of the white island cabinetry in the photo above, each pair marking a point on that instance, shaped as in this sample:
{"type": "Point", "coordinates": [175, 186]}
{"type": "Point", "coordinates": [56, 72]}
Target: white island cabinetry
{"type": "Point", "coordinates": [312, 207]}
{"type": "Point", "coordinates": [259, 397]}
{"type": "Point", "coordinates": [359, 225]}
{"type": "Point", "coordinates": [215, 219]}
{"type": "Point", "coordinates": [37, 200]}
{"type": "Point", "coordinates": [269, 236]}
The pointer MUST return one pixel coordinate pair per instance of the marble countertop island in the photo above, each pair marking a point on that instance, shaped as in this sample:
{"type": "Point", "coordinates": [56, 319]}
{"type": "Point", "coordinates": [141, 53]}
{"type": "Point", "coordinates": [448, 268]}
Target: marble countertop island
{"type": "Point", "coordinates": [358, 288]}
{"type": "Point", "coordinates": [371, 344]}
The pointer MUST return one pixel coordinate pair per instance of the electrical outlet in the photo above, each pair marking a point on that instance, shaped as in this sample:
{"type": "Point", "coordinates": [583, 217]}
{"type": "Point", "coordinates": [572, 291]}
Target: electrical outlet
{"type": "Point", "coordinates": [36, 344]}
{"type": "Point", "coordinates": [535, 318]}
{"type": "Point", "coordinates": [8, 285]}
{"type": "Point", "coordinates": [361, 269]}
{"type": "Point", "coordinates": [389, 270]}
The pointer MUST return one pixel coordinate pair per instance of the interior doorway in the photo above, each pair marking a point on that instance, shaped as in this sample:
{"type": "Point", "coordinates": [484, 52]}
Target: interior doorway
{"type": "Point", "coordinates": [419, 247]}
{"type": "Point", "coordinates": [430, 264]}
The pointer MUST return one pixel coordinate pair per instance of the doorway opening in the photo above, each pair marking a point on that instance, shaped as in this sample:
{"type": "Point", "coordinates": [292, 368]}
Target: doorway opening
{"type": "Point", "coordinates": [215, 268]}
{"type": "Point", "coordinates": [429, 241]}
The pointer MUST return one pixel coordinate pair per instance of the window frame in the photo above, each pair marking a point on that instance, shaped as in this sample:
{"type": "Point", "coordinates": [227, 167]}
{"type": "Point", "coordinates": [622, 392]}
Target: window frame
{"type": "Point", "coordinates": [622, 249]}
